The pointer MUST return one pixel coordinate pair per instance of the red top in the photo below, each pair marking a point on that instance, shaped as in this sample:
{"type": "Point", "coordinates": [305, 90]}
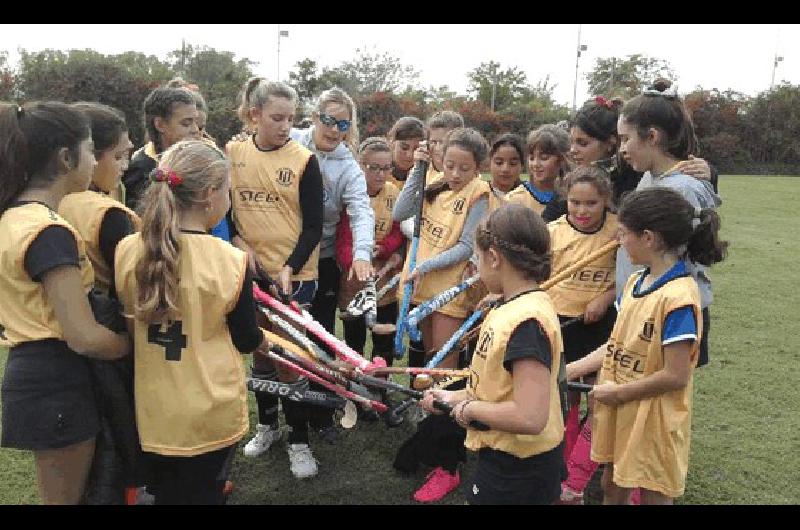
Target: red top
{"type": "Point", "coordinates": [344, 242]}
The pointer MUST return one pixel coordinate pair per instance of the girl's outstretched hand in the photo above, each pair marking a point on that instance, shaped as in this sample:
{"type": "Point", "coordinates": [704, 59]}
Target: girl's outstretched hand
{"type": "Point", "coordinates": [695, 167]}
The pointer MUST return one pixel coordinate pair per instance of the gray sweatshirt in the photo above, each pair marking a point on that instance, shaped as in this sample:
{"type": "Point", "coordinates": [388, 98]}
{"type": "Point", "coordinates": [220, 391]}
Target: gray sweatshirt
{"type": "Point", "coordinates": [344, 187]}
{"type": "Point", "coordinates": [699, 193]}
{"type": "Point", "coordinates": [406, 207]}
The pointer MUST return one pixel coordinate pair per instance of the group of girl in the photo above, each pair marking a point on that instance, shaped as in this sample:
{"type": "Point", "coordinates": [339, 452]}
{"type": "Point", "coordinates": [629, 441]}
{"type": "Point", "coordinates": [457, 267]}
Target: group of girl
{"type": "Point", "coordinates": [321, 214]}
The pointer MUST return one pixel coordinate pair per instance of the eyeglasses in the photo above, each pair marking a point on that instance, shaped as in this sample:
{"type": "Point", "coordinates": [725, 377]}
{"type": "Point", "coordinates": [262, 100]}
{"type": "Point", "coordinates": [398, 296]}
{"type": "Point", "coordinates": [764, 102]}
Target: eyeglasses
{"type": "Point", "coordinates": [330, 121]}
{"type": "Point", "coordinates": [376, 168]}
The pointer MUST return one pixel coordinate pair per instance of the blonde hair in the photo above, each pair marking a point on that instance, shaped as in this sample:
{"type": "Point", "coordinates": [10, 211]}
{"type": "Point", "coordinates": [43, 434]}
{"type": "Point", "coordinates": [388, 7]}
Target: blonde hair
{"type": "Point", "coordinates": [256, 92]}
{"type": "Point", "coordinates": [338, 96]}
{"type": "Point", "coordinates": [200, 167]}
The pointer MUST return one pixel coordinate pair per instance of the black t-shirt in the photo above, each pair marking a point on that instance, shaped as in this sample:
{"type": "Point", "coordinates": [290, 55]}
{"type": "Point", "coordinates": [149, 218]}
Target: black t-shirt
{"type": "Point", "coordinates": [55, 246]}
{"type": "Point", "coordinates": [528, 341]}
{"type": "Point", "coordinates": [115, 226]}
{"type": "Point", "coordinates": [242, 324]}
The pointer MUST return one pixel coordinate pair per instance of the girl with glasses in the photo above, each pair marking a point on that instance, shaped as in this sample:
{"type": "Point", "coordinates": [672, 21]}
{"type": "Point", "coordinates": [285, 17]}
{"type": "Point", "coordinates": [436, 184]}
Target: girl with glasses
{"type": "Point", "coordinates": [375, 157]}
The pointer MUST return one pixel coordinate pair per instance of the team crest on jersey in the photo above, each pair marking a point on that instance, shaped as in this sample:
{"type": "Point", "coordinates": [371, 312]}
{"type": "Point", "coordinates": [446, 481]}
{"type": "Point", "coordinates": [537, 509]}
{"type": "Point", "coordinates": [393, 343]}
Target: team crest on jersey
{"type": "Point", "coordinates": [647, 330]}
{"type": "Point", "coordinates": [389, 203]}
{"type": "Point", "coordinates": [458, 206]}
{"type": "Point", "coordinates": [484, 343]}
{"type": "Point", "coordinates": [285, 176]}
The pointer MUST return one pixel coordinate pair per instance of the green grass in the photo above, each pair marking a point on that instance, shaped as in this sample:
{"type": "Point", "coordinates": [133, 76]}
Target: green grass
{"type": "Point", "coordinates": [746, 429]}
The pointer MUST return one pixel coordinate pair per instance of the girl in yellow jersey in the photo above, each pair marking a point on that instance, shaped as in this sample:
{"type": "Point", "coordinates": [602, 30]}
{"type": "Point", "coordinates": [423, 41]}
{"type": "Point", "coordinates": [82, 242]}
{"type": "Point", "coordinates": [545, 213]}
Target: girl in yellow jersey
{"type": "Point", "coordinates": [375, 157]}
{"type": "Point", "coordinates": [452, 207]}
{"type": "Point", "coordinates": [587, 294]}
{"type": "Point", "coordinates": [506, 163]}
{"type": "Point", "coordinates": [103, 222]}
{"type": "Point", "coordinates": [404, 137]}
{"type": "Point", "coordinates": [45, 276]}
{"type": "Point", "coordinates": [513, 383]}
{"type": "Point", "coordinates": [643, 399]}
{"type": "Point", "coordinates": [277, 219]}
{"type": "Point", "coordinates": [188, 296]}
{"type": "Point", "coordinates": [548, 160]}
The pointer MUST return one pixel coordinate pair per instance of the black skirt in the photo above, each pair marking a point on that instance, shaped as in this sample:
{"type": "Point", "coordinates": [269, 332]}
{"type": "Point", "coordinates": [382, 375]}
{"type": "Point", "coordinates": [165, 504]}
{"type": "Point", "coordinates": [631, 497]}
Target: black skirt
{"type": "Point", "coordinates": [48, 398]}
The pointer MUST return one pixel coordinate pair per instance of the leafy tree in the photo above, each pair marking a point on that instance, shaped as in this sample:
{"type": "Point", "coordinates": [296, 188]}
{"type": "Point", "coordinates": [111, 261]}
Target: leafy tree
{"type": "Point", "coordinates": [627, 77]}
{"type": "Point", "coordinates": [509, 85]}
{"type": "Point", "coordinates": [306, 81]}
{"type": "Point", "coordinates": [6, 78]}
{"type": "Point", "coordinates": [771, 124]}
{"type": "Point", "coordinates": [86, 75]}
{"type": "Point", "coordinates": [369, 73]}
{"type": "Point", "coordinates": [220, 77]}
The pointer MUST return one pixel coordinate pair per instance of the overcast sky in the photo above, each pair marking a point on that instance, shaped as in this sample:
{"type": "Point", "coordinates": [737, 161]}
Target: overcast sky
{"type": "Point", "coordinates": [720, 56]}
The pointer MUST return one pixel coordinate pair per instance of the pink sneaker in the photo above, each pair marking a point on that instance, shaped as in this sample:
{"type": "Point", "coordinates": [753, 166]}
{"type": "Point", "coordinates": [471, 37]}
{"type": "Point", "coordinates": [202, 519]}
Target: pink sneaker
{"type": "Point", "coordinates": [438, 484]}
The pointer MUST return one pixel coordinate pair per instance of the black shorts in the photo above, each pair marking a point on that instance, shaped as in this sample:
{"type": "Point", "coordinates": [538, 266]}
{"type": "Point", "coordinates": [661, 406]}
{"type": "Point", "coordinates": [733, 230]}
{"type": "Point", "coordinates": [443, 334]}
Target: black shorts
{"type": "Point", "coordinates": [702, 359]}
{"type": "Point", "coordinates": [48, 398]}
{"type": "Point", "coordinates": [502, 478]}
{"type": "Point", "coordinates": [582, 339]}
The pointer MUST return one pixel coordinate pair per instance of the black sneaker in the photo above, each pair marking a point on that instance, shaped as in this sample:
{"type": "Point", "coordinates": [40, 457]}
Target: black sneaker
{"type": "Point", "coordinates": [368, 416]}
{"type": "Point", "coordinates": [330, 434]}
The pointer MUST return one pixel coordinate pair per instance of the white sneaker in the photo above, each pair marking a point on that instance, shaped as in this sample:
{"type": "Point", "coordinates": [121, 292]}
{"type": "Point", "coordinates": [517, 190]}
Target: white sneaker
{"type": "Point", "coordinates": [302, 462]}
{"type": "Point", "coordinates": [263, 438]}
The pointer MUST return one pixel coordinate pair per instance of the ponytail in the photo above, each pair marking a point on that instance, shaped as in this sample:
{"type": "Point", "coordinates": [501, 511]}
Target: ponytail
{"type": "Point", "coordinates": [13, 154]}
{"type": "Point", "coordinates": [30, 138]}
{"type": "Point", "coordinates": [433, 190]}
{"type": "Point", "coordinates": [705, 246]}
{"type": "Point", "coordinates": [157, 270]}
{"type": "Point", "coordinates": [185, 172]}
{"type": "Point", "coordinates": [665, 212]}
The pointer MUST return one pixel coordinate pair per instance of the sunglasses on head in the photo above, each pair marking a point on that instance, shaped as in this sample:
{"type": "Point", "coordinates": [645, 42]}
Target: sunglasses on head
{"type": "Point", "coordinates": [330, 121]}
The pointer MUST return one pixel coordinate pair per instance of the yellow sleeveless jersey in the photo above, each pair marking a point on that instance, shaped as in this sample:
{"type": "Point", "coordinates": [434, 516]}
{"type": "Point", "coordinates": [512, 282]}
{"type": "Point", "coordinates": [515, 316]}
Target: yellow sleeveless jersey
{"type": "Point", "coordinates": [85, 211]}
{"type": "Point", "coordinates": [496, 199]}
{"type": "Point", "coordinates": [265, 191]}
{"type": "Point", "coordinates": [382, 205]}
{"type": "Point", "coordinates": [25, 313]}
{"type": "Point", "coordinates": [189, 385]}
{"type": "Point", "coordinates": [490, 381]}
{"type": "Point", "coordinates": [441, 227]}
{"type": "Point", "coordinates": [647, 440]}
{"type": "Point", "coordinates": [521, 195]}
{"type": "Point", "coordinates": [568, 245]}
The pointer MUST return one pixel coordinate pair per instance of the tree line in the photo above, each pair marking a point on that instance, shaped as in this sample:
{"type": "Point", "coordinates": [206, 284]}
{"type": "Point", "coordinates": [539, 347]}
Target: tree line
{"type": "Point", "coordinates": [736, 132]}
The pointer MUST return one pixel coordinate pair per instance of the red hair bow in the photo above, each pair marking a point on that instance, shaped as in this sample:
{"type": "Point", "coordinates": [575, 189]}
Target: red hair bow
{"type": "Point", "coordinates": [170, 177]}
{"type": "Point", "coordinates": [604, 102]}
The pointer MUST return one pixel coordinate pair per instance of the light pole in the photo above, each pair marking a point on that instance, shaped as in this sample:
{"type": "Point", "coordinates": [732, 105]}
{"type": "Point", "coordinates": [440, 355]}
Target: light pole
{"type": "Point", "coordinates": [778, 58]}
{"type": "Point", "coordinates": [494, 82]}
{"type": "Point", "coordinates": [581, 48]}
{"type": "Point", "coordinates": [280, 34]}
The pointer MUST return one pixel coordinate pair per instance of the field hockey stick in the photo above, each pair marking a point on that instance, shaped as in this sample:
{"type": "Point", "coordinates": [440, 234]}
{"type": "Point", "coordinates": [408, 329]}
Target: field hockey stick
{"type": "Point", "coordinates": [422, 311]}
{"type": "Point", "coordinates": [296, 335]}
{"type": "Point", "coordinates": [452, 341]}
{"type": "Point", "coordinates": [343, 392]}
{"type": "Point", "coordinates": [394, 414]}
{"type": "Point", "coordinates": [307, 322]}
{"type": "Point", "coordinates": [433, 372]}
{"type": "Point", "coordinates": [298, 391]}
{"type": "Point", "coordinates": [399, 350]}
{"type": "Point", "coordinates": [290, 351]}
{"type": "Point", "coordinates": [576, 386]}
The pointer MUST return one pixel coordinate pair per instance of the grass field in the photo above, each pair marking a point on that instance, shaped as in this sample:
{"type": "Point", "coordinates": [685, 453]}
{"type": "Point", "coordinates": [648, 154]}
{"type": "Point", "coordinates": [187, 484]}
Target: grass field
{"type": "Point", "coordinates": [746, 429]}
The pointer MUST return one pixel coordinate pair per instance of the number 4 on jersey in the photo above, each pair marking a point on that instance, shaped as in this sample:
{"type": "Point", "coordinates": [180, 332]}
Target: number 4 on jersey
{"type": "Point", "coordinates": [173, 340]}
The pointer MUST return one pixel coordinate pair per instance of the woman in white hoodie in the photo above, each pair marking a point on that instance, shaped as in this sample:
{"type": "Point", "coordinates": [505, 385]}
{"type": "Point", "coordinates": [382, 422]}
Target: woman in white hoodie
{"type": "Point", "coordinates": [333, 138]}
